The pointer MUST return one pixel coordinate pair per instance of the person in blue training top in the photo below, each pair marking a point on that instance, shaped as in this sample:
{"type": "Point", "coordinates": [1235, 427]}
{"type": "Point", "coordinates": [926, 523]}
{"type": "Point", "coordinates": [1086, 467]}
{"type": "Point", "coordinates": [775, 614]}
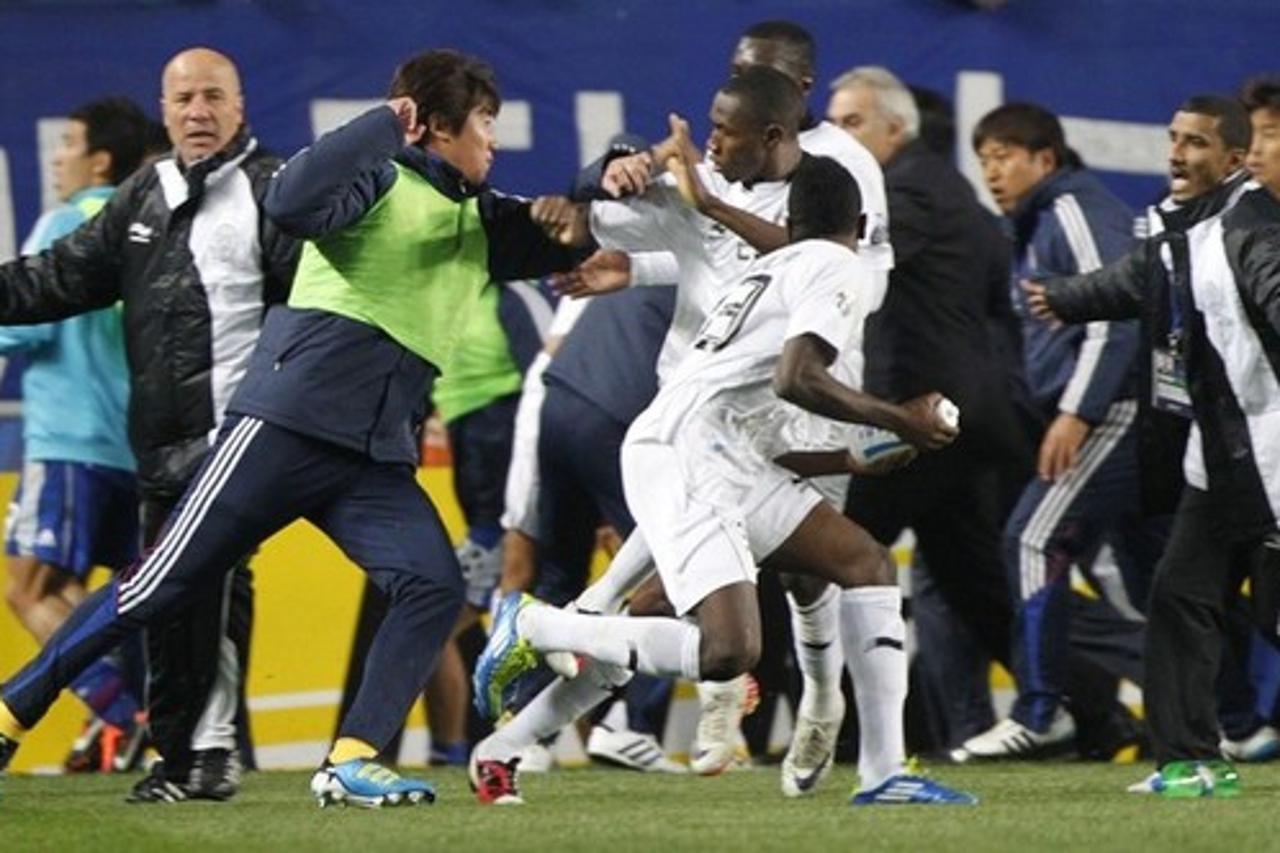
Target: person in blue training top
{"type": "Point", "coordinates": [1083, 383]}
{"type": "Point", "coordinates": [76, 503]}
{"type": "Point", "coordinates": [402, 235]}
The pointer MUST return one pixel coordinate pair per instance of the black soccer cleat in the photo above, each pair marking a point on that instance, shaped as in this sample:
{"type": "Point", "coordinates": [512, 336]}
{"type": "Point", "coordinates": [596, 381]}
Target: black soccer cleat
{"type": "Point", "coordinates": [215, 775]}
{"type": "Point", "coordinates": [8, 746]}
{"type": "Point", "coordinates": [157, 787]}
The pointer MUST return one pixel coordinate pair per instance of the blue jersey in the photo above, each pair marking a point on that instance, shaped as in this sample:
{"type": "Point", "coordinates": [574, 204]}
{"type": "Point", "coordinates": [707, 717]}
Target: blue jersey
{"type": "Point", "coordinates": [75, 390]}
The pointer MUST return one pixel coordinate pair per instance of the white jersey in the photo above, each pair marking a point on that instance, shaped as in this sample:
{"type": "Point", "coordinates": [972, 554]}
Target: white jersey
{"type": "Point", "coordinates": [710, 257]}
{"type": "Point", "coordinates": [826, 140]}
{"type": "Point", "coordinates": [718, 407]}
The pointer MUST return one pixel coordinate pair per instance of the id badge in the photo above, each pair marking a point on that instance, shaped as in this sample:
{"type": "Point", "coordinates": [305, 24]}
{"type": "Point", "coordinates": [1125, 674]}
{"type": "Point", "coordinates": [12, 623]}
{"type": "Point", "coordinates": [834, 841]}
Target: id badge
{"type": "Point", "coordinates": [1169, 383]}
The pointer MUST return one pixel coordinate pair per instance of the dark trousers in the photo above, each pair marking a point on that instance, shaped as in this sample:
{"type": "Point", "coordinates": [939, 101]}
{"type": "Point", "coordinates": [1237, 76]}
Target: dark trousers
{"type": "Point", "coordinates": [480, 442]}
{"type": "Point", "coordinates": [1058, 524]}
{"type": "Point", "coordinates": [1198, 578]}
{"type": "Point", "coordinates": [184, 652]}
{"type": "Point", "coordinates": [579, 488]}
{"type": "Point", "coordinates": [953, 501]}
{"type": "Point", "coordinates": [257, 479]}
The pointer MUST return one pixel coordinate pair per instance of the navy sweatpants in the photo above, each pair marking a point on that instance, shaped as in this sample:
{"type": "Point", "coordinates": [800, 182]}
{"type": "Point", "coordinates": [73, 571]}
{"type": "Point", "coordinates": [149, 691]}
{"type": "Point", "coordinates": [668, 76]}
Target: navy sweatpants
{"type": "Point", "coordinates": [1055, 525]}
{"type": "Point", "coordinates": [579, 488]}
{"type": "Point", "coordinates": [257, 479]}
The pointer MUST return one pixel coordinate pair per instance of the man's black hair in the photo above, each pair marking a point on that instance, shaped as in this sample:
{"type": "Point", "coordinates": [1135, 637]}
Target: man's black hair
{"type": "Point", "coordinates": [795, 44]}
{"type": "Point", "coordinates": [766, 96]}
{"type": "Point", "coordinates": [1233, 118]}
{"type": "Point", "coordinates": [120, 128]}
{"type": "Point", "coordinates": [937, 121]}
{"type": "Point", "coordinates": [1028, 126]}
{"type": "Point", "coordinates": [446, 83]}
{"type": "Point", "coordinates": [1261, 93]}
{"type": "Point", "coordinates": [824, 200]}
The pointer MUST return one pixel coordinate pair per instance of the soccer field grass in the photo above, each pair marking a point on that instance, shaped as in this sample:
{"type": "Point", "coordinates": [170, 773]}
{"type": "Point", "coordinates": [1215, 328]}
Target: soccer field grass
{"type": "Point", "coordinates": [1024, 807]}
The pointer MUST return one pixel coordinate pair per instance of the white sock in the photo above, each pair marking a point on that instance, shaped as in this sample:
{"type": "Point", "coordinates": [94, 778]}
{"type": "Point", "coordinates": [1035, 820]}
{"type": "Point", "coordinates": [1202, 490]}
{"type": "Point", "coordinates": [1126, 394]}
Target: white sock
{"type": "Point", "coordinates": [655, 645]}
{"type": "Point", "coordinates": [875, 652]}
{"type": "Point", "coordinates": [631, 565]}
{"type": "Point", "coordinates": [556, 706]}
{"type": "Point", "coordinates": [816, 632]}
{"type": "Point", "coordinates": [615, 719]}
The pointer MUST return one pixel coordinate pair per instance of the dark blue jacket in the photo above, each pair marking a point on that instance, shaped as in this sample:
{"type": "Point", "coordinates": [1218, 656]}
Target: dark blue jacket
{"type": "Point", "coordinates": [336, 379]}
{"type": "Point", "coordinates": [1071, 224]}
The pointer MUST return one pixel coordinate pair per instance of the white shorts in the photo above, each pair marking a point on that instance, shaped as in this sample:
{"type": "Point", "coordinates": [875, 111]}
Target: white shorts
{"type": "Point", "coordinates": [777, 507]}
{"type": "Point", "coordinates": [706, 534]}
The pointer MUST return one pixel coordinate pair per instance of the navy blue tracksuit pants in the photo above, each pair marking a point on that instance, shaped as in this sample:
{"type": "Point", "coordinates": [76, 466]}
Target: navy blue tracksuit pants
{"type": "Point", "coordinates": [1055, 525]}
{"type": "Point", "coordinates": [256, 480]}
{"type": "Point", "coordinates": [579, 488]}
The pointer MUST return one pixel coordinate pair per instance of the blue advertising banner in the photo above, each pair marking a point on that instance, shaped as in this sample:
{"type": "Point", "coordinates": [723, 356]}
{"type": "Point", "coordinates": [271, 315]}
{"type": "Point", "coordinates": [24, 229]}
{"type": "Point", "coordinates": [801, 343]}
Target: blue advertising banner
{"type": "Point", "coordinates": [575, 71]}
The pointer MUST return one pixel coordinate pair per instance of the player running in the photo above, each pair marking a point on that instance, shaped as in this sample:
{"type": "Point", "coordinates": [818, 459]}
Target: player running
{"type": "Point", "coordinates": [692, 468]}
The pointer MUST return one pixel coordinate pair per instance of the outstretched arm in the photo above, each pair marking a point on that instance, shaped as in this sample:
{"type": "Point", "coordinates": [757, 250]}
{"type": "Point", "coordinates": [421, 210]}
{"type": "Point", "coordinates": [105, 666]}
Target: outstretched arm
{"type": "Point", "coordinates": [802, 378]}
{"type": "Point", "coordinates": [78, 273]}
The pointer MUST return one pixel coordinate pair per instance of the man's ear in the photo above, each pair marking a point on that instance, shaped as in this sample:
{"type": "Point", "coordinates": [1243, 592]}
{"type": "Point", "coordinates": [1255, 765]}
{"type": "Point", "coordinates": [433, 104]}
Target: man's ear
{"type": "Point", "coordinates": [773, 134]}
{"type": "Point", "coordinates": [100, 165]}
{"type": "Point", "coordinates": [1046, 159]}
{"type": "Point", "coordinates": [437, 127]}
{"type": "Point", "coordinates": [1235, 159]}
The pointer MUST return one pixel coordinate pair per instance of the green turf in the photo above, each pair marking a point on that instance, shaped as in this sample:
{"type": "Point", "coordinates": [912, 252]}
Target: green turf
{"type": "Point", "coordinates": [1024, 808]}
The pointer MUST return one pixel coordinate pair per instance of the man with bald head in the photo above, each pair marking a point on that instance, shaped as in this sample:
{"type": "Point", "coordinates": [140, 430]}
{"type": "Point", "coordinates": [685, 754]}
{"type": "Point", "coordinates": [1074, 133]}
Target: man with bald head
{"type": "Point", "coordinates": [183, 245]}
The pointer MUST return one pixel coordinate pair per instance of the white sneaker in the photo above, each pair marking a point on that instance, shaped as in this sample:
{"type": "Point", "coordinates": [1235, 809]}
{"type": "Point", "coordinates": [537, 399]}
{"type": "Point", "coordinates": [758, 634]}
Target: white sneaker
{"type": "Point", "coordinates": [715, 744]}
{"type": "Point", "coordinates": [1262, 745]}
{"type": "Point", "coordinates": [1150, 785]}
{"type": "Point", "coordinates": [536, 758]}
{"type": "Point", "coordinates": [635, 750]}
{"type": "Point", "coordinates": [481, 569]}
{"type": "Point", "coordinates": [812, 750]}
{"type": "Point", "coordinates": [1011, 739]}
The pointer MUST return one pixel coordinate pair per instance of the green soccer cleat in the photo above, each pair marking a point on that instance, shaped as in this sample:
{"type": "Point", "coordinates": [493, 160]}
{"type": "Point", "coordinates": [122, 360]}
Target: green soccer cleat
{"type": "Point", "coordinates": [505, 658]}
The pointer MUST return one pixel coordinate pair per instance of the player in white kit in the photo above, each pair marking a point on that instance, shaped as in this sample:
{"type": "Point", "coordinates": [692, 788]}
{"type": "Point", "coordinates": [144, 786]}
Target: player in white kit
{"type": "Point", "coordinates": [788, 48]}
{"type": "Point", "coordinates": [691, 462]}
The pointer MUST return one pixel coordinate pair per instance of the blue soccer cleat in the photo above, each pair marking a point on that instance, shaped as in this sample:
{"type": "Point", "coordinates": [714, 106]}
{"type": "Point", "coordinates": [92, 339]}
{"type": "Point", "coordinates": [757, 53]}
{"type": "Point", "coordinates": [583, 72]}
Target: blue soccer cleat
{"type": "Point", "coordinates": [366, 783]}
{"type": "Point", "coordinates": [909, 789]}
{"type": "Point", "coordinates": [505, 658]}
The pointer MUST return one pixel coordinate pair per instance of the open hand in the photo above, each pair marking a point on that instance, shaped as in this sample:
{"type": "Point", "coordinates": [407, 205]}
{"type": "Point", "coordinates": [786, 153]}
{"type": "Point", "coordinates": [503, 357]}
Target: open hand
{"type": "Point", "coordinates": [1060, 447]}
{"type": "Point", "coordinates": [682, 160]}
{"type": "Point", "coordinates": [604, 272]}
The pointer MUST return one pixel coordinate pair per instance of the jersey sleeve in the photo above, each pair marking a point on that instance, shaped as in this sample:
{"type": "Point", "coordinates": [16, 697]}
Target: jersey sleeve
{"type": "Point", "coordinates": [654, 268]}
{"type": "Point", "coordinates": [645, 223]}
